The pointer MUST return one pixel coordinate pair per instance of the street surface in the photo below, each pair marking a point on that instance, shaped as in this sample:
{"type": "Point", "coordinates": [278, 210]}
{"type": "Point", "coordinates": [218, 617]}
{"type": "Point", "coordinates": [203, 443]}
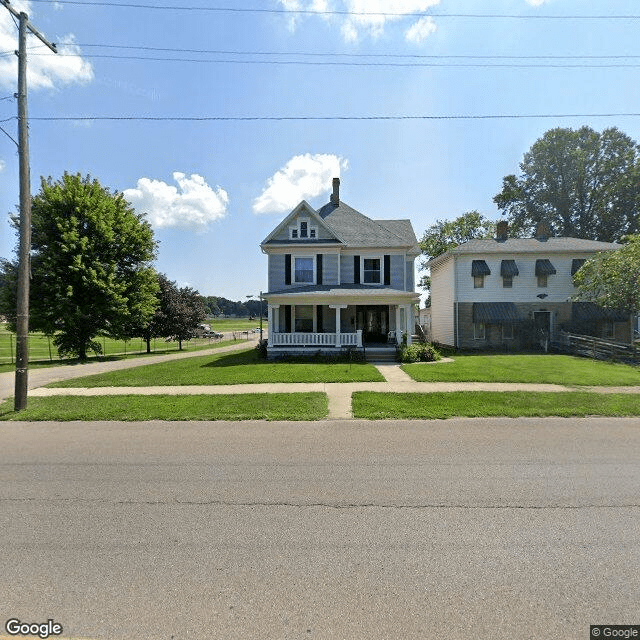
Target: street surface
{"type": "Point", "coordinates": [494, 528]}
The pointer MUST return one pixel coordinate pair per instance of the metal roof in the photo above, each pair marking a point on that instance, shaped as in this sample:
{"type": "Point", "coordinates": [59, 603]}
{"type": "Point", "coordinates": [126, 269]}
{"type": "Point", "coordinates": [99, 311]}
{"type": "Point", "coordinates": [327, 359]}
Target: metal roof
{"type": "Point", "coordinates": [496, 313]}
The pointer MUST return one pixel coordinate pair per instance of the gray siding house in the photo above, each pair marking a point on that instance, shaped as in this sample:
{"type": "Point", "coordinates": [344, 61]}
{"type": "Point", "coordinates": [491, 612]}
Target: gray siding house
{"type": "Point", "coordinates": [338, 279]}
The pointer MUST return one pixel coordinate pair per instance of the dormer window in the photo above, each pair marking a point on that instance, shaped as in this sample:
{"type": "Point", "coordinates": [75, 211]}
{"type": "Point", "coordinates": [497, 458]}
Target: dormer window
{"type": "Point", "coordinates": [303, 230]}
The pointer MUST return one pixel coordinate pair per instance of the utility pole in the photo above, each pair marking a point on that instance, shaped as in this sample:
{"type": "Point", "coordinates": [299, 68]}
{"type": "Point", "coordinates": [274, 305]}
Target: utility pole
{"type": "Point", "coordinates": [24, 257]}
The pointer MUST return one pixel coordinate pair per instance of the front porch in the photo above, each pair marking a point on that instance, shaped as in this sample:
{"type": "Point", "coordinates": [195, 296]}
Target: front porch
{"type": "Point", "coordinates": [294, 328]}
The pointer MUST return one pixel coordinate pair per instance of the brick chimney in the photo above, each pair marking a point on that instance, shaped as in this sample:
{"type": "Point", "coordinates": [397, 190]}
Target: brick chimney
{"type": "Point", "coordinates": [335, 196]}
{"type": "Point", "coordinates": [543, 231]}
{"type": "Point", "coordinates": [502, 231]}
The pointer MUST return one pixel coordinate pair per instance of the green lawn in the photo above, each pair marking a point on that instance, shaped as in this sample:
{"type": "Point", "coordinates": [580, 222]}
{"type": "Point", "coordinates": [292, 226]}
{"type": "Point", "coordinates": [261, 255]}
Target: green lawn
{"type": "Point", "coordinates": [551, 369]}
{"type": "Point", "coordinates": [244, 367]}
{"type": "Point", "coordinates": [255, 406]}
{"type": "Point", "coordinates": [514, 404]}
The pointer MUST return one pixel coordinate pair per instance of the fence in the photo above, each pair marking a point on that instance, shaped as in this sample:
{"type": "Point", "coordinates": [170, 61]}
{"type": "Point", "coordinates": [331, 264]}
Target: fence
{"type": "Point", "coordinates": [598, 348]}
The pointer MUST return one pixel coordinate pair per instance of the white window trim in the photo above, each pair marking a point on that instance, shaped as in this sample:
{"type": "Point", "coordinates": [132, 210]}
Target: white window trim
{"type": "Point", "coordinates": [372, 257]}
{"type": "Point", "coordinates": [293, 268]}
{"type": "Point", "coordinates": [296, 227]}
{"type": "Point", "coordinates": [483, 334]}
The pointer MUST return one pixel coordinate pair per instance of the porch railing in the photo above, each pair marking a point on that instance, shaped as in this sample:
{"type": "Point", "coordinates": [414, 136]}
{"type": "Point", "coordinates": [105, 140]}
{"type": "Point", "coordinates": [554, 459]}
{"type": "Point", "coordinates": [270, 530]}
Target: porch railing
{"type": "Point", "coordinates": [316, 339]}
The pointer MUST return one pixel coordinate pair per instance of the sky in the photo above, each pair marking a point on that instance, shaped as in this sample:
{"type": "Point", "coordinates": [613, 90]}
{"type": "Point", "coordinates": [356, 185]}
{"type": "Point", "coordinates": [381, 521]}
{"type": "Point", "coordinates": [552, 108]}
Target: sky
{"type": "Point", "coordinates": [260, 103]}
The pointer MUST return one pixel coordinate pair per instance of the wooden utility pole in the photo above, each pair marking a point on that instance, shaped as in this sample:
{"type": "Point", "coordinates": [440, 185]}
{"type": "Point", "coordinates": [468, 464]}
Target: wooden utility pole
{"type": "Point", "coordinates": [24, 256]}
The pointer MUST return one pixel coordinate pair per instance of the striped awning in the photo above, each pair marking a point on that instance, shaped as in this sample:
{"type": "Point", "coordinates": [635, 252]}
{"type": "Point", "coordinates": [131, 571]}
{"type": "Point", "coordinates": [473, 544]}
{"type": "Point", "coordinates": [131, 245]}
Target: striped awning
{"type": "Point", "coordinates": [496, 313]}
{"type": "Point", "coordinates": [509, 268]}
{"type": "Point", "coordinates": [480, 268]}
{"type": "Point", "coordinates": [576, 263]}
{"type": "Point", "coordinates": [544, 267]}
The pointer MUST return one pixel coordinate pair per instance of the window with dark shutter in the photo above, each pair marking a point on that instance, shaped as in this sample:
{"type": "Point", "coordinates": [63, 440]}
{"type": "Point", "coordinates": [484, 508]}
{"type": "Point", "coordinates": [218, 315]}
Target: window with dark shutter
{"type": "Point", "coordinates": [287, 318]}
{"type": "Point", "coordinates": [387, 269]}
{"type": "Point", "coordinates": [319, 268]}
{"type": "Point", "coordinates": [356, 269]}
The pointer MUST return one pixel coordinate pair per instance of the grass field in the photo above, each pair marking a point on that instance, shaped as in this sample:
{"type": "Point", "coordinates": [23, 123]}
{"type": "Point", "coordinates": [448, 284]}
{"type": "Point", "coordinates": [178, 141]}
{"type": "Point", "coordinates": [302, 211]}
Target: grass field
{"type": "Point", "coordinates": [244, 367]}
{"type": "Point", "coordinates": [42, 349]}
{"type": "Point", "coordinates": [371, 405]}
{"type": "Point", "coordinates": [549, 369]}
{"type": "Point", "coordinates": [255, 406]}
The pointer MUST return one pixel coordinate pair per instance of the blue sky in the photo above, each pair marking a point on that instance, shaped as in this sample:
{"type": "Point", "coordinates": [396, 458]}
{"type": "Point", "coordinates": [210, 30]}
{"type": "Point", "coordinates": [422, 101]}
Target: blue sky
{"type": "Point", "coordinates": [213, 189]}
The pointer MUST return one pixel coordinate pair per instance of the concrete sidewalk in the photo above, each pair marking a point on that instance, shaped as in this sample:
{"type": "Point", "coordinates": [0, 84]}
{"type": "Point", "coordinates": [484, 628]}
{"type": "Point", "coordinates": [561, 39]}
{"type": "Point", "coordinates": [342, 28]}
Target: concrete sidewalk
{"type": "Point", "coordinates": [339, 394]}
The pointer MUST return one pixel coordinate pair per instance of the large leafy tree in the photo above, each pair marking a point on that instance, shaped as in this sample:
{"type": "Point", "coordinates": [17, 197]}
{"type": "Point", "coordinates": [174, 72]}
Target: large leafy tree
{"type": "Point", "coordinates": [444, 235]}
{"type": "Point", "coordinates": [90, 265]}
{"type": "Point", "coordinates": [612, 278]}
{"type": "Point", "coordinates": [585, 184]}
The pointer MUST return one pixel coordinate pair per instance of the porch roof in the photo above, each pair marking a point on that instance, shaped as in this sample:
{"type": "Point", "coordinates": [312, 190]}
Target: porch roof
{"type": "Point", "coordinates": [496, 313]}
{"type": "Point", "coordinates": [359, 291]}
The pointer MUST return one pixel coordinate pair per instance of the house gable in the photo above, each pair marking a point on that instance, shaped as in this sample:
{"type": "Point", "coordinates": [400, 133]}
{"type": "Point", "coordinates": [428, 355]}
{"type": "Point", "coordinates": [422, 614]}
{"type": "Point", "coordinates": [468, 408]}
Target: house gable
{"type": "Point", "coordinates": [302, 225]}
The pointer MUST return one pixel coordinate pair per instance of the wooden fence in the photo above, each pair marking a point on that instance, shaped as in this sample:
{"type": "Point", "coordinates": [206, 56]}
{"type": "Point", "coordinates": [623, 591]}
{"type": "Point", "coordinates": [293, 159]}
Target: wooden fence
{"type": "Point", "coordinates": [598, 348]}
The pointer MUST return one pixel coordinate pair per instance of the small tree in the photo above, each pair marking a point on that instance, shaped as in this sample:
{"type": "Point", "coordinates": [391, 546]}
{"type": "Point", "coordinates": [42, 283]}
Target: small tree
{"type": "Point", "coordinates": [90, 264]}
{"type": "Point", "coordinates": [612, 278]}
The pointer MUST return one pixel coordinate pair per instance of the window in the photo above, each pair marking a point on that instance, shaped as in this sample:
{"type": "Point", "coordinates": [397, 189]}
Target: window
{"type": "Point", "coordinates": [478, 331]}
{"type": "Point", "coordinates": [507, 332]}
{"type": "Point", "coordinates": [542, 280]}
{"type": "Point", "coordinates": [304, 318]}
{"type": "Point", "coordinates": [371, 270]}
{"type": "Point", "coordinates": [303, 270]}
{"type": "Point", "coordinates": [478, 282]}
{"type": "Point", "coordinates": [302, 230]}
{"type": "Point", "coordinates": [507, 282]}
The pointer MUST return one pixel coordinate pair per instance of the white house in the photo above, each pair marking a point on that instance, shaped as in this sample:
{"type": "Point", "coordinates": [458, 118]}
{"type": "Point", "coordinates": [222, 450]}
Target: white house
{"type": "Point", "coordinates": [498, 292]}
{"type": "Point", "coordinates": [338, 279]}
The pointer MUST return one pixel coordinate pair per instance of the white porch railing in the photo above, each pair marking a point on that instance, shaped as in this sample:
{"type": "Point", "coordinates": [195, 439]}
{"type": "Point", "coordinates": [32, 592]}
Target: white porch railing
{"type": "Point", "coordinates": [316, 339]}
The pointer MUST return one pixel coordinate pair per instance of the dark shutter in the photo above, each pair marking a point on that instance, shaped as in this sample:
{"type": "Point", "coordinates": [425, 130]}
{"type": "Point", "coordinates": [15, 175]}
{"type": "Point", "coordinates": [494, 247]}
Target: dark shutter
{"type": "Point", "coordinates": [319, 269]}
{"type": "Point", "coordinates": [320, 327]}
{"type": "Point", "coordinates": [287, 318]}
{"type": "Point", "coordinates": [387, 269]}
{"type": "Point", "coordinates": [287, 274]}
{"type": "Point", "coordinates": [356, 269]}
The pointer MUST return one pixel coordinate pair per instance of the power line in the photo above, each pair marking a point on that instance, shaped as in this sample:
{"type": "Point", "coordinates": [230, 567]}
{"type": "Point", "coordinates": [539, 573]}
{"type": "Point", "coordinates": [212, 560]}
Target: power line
{"type": "Point", "coordinates": [503, 116]}
{"type": "Point", "coordinates": [340, 63]}
{"type": "Point", "coordinates": [374, 14]}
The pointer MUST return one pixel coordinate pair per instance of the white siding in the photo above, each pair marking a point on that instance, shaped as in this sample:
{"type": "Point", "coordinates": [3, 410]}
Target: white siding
{"type": "Point", "coordinates": [442, 297]}
{"type": "Point", "coordinates": [525, 285]}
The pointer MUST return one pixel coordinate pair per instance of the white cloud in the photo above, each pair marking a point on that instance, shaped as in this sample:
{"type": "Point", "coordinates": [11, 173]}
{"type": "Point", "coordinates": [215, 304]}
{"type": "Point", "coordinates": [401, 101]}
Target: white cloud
{"type": "Point", "coordinates": [2, 165]}
{"type": "Point", "coordinates": [45, 69]}
{"type": "Point", "coordinates": [536, 3]}
{"type": "Point", "coordinates": [352, 26]}
{"type": "Point", "coordinates": [191, 205]}
{"type": "Point", "coordinates": [419, 31]}
{"type": "Point", "coordinates": [303, 177]}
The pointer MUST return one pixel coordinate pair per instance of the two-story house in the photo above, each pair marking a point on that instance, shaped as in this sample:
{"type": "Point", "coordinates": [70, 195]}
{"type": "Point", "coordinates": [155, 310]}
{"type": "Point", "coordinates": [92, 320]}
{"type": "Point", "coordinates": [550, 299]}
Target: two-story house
{"type": "Point", "coordinates": [338, 279]}
{"type": "Point", "coordinates": [498, 292]}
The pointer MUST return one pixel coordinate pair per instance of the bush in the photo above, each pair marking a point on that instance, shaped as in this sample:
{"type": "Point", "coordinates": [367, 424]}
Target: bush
{"type": "Point", "coordinates": [418, 353]}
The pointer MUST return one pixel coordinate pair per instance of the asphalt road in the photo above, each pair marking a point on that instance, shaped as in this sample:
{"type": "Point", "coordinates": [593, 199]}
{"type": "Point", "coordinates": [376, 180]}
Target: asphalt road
{"type": "Point", "coordinates": [447, 529]}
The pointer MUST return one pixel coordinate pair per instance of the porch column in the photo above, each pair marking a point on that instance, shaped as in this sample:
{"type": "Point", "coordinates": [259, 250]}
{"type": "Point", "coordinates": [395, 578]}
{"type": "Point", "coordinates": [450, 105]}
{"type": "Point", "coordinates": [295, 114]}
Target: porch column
{"type": "Point", "coordinates": [408, 319]}
{"type": "Point", "coordinates": [337, 307]}
{"type": "Point", "coordinates": [274, 321]}
{"type": "Point", "coordinates": [399, 329]}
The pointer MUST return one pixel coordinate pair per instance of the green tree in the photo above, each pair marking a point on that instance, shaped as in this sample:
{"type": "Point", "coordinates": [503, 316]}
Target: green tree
{"type": "Point", "coordinates": [612, 278]}
{"type": "Point", "coordinates": [444, 235]}
{"type": "Point", "coordinates": [90, 264]}
{"type": "Point", "coordinates": [583, 183]}
{"type": "Point", "coordinates": [179, 312]}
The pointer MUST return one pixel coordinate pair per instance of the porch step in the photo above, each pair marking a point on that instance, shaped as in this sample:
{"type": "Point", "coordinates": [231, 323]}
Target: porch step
{"type": "Point", "coordinates": [380, 354]}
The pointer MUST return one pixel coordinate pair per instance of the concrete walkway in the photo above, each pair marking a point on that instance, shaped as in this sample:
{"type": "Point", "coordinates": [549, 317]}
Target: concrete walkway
{"type": "Point", "coordinates": [339, 394]}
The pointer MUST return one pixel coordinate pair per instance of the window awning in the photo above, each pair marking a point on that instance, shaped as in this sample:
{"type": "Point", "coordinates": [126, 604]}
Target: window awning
{"type": "Point", "coordinates": [509, 268]}
{"type": "Point", "coordinates": [496, 313]}
{"type": "Point", "coordinates": [480, 268]}
{"type": "Point", "coordinates": [591, 312]}
{"type": "Point", "coordinates": [544, 267]}
{"type": "Point", "coordinates": [576, 263]}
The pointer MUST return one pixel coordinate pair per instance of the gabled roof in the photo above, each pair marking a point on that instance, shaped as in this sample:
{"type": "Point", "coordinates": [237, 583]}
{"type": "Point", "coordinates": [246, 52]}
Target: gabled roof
{"type": "Point", "coordinates": [302, 208]}
{"type": "Point", "coordinates": [511, 246]}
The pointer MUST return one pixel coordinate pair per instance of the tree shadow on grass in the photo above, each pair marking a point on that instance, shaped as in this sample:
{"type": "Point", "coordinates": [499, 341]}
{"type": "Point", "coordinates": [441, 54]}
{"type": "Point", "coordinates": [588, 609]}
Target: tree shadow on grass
{"type": "Point", "coordinates": [234, 360]}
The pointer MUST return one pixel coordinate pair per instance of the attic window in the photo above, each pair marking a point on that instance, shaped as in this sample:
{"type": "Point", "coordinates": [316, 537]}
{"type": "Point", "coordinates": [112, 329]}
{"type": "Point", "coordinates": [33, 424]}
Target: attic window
{"type": "Point", "coordinates": [303, 230]}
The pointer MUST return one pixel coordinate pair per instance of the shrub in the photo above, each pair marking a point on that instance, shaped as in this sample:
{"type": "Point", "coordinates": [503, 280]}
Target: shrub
{"type": "Point", "coordinates": [418, 353]}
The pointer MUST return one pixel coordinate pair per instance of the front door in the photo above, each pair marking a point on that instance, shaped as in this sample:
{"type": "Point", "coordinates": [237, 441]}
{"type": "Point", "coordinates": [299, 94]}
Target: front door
{"type": "Point", "coordinates": [374, 322]}
{"type": "Point", "coordinates": [542, 323]}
